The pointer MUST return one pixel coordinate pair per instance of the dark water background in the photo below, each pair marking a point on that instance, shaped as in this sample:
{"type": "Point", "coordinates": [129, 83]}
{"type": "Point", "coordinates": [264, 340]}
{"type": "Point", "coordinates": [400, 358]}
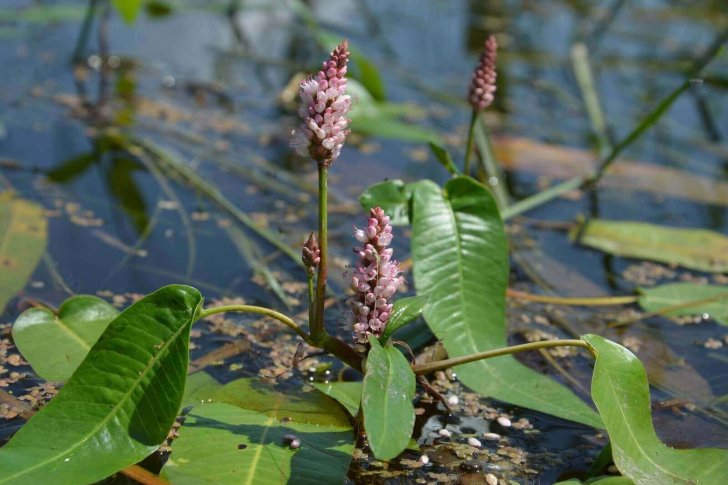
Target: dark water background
{"type": "Point", "coordinates": [223, 110]}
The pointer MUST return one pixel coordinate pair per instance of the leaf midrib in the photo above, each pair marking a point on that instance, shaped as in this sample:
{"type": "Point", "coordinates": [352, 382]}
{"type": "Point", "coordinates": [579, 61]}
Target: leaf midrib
{"type": "Point", "coordinates": [113, 410]}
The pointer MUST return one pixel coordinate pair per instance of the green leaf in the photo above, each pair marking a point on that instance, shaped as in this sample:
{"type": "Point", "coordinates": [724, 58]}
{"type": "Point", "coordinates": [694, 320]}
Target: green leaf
{"type": "Point", "coordinates": [605, 480]}
{"type": "Point", "coordinates": [200, 387]}
{"type": "Point", "coordinates": [691, 299]}
{"type": "Point", "coordinates": [119, 404]}
{"type": "Point", "coordinates": [23, 235]}
{"type": "Point", "coordinates": [387, 393]}
{"type": "Point", "coordinates": [56, 344]}
{"type": "Point", "coordinates": [384, 125]}
{"type": "Point", "coordinates": [348, 394]}
{"type": "Point", "coordinates": [225, 444]}
{"type": "Point", "coordinates": [404, 311]}
{"type": "Point", "coordinates": [393, 196]}
{"type": "Point", "coordinates": [460, 257]}
{"type": "Point", "coordinates": [698, 249]}
{"type": "Point", "coordinates": [622, 395]}
{"type": "Point", "coordinates": [239, 438]}
{"type": "Point", "coordinates": [128, 9]}
{"type": "Point", "coordinates": [443, 156]}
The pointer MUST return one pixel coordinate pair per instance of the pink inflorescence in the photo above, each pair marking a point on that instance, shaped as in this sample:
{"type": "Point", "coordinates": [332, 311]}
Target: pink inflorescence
{"type": "Point", "coordinates": [324, 106]}
{"type": "Point", "coordinates": [482, 87]}
{"type": "Point", "coordinates": [375, 279]}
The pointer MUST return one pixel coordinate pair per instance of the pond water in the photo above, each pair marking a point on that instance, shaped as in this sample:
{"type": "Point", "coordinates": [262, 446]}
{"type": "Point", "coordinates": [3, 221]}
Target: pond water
{"type": "Point", "coordinates": [212, 91]}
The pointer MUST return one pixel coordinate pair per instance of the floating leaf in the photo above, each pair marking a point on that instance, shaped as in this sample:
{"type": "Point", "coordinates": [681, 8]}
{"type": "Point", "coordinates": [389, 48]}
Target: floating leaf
{"type": "Point", "coordinates": [119, 404]}
{"type": "Point", "coordinates": [688, 299]}
{"type": "Point", "coordinates": [239, 438]}
{"type": "Point", "coordinates": [599, 481]}
{"type": "Point", "coordinates": [621, 393]}
{"type": "Point", "coordinates": [56, 344]}
{"type": "Point", "coordinates": [200, 387]}
{"type": "Point", "coordinates": [443, 156]}
{"type": "Point", "coordinates": [404, 311]}
{"type": "Point", "coordinates": [698, 249]}
{"type": "Point", "coordinates": [387, 393]}
{"type": "Point", "coordinates": [393, 196]}
{"type": "Point", "coordinates": [348, 394]}
{"type": "Point", "coordinates": [128, 9]}
{"type": "Point", "coordinates": [460, 259]}
{"type": "Point", "coordinates": [562, 162]}
{"type": "Point", "coordinates": [23, 234]}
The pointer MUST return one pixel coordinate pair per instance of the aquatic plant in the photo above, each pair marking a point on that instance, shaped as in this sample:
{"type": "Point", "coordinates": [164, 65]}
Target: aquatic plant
{"type": "Point", "coordinates": [124, 389]}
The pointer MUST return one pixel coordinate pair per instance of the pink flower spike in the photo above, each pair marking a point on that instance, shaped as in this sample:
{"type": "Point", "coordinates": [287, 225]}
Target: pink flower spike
{"type": "Point", "coordinates": [482, 87]}
{"type": "Point", "coordinates": [324, 106]}
{"type": "Point", "coordinates": [375, 278]}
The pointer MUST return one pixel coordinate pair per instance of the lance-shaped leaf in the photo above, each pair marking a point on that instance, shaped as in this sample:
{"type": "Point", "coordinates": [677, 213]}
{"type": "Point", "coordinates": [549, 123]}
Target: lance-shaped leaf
{"type": "Point", "coordinates": [460, 259]}
{"type": "Point", "coordinates": [387, 393]}
{"type": "Point", "coordinates": [393, 196]}
{"type": "Point", "coordinates": [348, 394]}
{"type": "Point", "coordinates": [698, 249]}
{"type": "Point", "coordinates": [56, 344]}
{"type": "Point", "coordinates": [241, 437]}
{"type": "Point", "coordinates": [622, 395]}
{"type": "Point", "coordinates": [687, 299]}
{"type": "Point", "coordinates": [119, 404]}
{"type": "Point", "coordinates": [404, 311]}
{"type": "Point", "coordinates": [23, 234]}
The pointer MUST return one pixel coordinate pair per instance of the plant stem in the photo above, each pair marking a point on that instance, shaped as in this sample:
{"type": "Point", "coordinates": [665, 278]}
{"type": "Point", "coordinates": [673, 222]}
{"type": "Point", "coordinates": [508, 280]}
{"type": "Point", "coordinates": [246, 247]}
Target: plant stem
{"type": "Point", "coordinates": [469, 145]}
{"type": "Point", "coordinates": [542, 197]}
{"type": "Point", "coordinates": [338, 348]}
{"type": "Point", "coordinates": [444, 364]}
{"type": "Point", "coordinates": [85, 31]}
{"type": "Point", "coordinates": [318, 332]}
{"type": "Point", "coordinates": [311, 297]}
{"type": "Point", "coordinates": [490, 164]}
{"type": "Point", "coordinates": [286, 320]}
{"type": "Point", "coordinates": [582, 301]}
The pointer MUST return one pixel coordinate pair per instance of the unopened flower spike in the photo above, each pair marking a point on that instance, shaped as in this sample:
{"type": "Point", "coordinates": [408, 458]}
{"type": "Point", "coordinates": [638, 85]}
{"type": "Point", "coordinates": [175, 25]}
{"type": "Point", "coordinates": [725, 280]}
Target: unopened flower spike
{"type": "Point", "coordinates": [375, 279]}
{"type": "Point", "coordinates": [311, 254]}
{"type": "Point", "coordinates": [324, 106]}
{"type": "Point", "coordinates": [482, 87]}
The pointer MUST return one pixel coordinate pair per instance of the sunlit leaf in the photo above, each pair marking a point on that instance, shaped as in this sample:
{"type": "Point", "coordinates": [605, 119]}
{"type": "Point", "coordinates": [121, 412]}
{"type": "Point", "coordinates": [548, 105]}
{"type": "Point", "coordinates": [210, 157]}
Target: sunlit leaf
{"type": "Point", "coordinates": [687, 299]}
{"type": "Point", "coordinates": [698, 249]}
{"type": "Point", "coordinates": [461, 260]}
{"type": "Point", "coordinates": [599, 481]}
{"type": "Point", "coordinates": [393, 196]}
{"type": "Point", "coordinates": [404, 311]}
{"type": "Point", "coordinates": [240, 438]}
{"type": "Point", "coordinates": [348, 394]}
{"type": "Point", "coordinates": [387, 393]}
{"type": "Point", "coordinates": [23, 234]}
{"type": "Point", "coordinates": [120, 403]}
{"type": "Point", "coordinates": [200, 387]}
{"type": "Point", "coordinates": [128, 9]}
{"type": "Point", "coordinates": [55, 344]}
{"type": "Point", "coordinates": [621, 393]}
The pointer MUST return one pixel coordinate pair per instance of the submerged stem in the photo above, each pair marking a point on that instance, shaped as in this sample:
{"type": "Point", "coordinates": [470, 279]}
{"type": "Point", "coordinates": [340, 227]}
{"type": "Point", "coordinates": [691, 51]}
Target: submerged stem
{"type": "Point", "coordinates": [444, 364]}
{"type": "Point", "coordinates": [578, 301]}
{"type": "Point", "coordinates": [318, 331]}
{"type": "Point", "coordinates": [285, 319]}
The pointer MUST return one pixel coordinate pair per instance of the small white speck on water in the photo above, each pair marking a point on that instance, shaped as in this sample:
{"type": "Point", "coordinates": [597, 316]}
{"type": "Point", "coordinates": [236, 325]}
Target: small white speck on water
{"type": "Point", "coordinates": [504, 421]}
{"type": "Point", "coordinates": [492, 436]}
{"type": "Point", "coordinates": [94, 62]}
{"type": "Point", "coordinates": [169, 81]}
{"type": "Point", "coordinates": [706, 316]}
{"type": "Point", "coordinates": [453, 401]}
{"type": "Point", "coordinates": [474, 442]}
{"type": "Point", "coordinates": [424, 459]}
{"type": "Point", "coordinates": [444, 433]}
{"type": "Point", "coordinates": [113, 61]}
{"type": "Point", "coordinates": [491, 479]}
